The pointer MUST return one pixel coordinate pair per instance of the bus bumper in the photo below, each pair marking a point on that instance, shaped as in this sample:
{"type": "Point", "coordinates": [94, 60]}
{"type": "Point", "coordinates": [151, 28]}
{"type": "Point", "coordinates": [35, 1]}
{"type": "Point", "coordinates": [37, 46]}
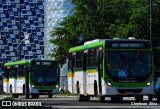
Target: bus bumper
{"type": "Point", "coordinates": [111, 90]}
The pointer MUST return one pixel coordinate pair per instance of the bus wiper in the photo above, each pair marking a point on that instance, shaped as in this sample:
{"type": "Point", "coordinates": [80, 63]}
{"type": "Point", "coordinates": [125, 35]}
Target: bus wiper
{"type": "Point", "coordinates": [135, 59]}
{"type": "Point", "coordinates": [137, 56]}
{"type": "Point", "coordinates": [122, 57]}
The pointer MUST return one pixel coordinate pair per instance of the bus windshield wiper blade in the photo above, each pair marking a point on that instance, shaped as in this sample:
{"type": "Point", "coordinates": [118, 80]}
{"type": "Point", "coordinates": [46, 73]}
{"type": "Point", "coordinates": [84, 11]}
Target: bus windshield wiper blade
{"type": "Point", "coordinates": [137, 56]}
{"type": "Point", "coordinates": [122, 57]}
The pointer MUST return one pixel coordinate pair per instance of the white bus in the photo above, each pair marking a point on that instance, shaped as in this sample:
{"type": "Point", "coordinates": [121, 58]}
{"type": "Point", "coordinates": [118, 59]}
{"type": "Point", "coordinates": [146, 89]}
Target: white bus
{"type": "Point", "coordinates": [111, 68]}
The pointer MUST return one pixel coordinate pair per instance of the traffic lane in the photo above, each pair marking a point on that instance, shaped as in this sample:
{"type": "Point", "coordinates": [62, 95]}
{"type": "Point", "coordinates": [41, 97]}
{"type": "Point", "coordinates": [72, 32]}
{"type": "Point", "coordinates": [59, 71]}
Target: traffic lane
{"type": "Point", "coordinates": [128, 101]}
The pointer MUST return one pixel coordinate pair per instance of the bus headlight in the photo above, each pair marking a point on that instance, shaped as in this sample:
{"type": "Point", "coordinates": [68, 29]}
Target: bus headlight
{"type": "Point", "coordinates": [109, 84]}
{"type": "Point", "coordinates": [149, 83]}
{"type": "Point", "coordinates": [32, 86]}
{"type": "Point", "coordinates": [56, 86]}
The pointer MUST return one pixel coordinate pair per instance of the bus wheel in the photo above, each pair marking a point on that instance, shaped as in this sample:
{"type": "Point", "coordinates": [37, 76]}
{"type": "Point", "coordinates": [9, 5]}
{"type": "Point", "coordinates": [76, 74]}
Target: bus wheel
{"type": "Point", "coordinates": [86, 98]}
{"type": "Point", "coordinates": [149, 98]}
{"type": "Point", "coordinates": [139, 98]}
{"type": "Point", "coordinates": [101, 99]}
{"type": "Point", "coordinates": [16, 95]}
{"type": "Point", "coordinates": [116, 98]}
{"type": "Point", "coordinates": [37, 96]}
{"type": "Point", "coordinates": [33, 96]}
{"type": "Point", "coordinates": [27, 96]}
{"type": "Point", "coordinates": [50, 95]}
{"type": "Point", "coordinates": [79, 96]}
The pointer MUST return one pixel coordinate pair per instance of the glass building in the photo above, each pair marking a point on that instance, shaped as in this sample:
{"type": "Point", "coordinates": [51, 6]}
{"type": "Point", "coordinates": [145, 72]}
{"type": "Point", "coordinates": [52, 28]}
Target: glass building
{"type": "Point", "coordinates": [37, 18]}
{"type": "Point", "coordinates": [55, 12]}
{"type": "Point", "coordinates": [14, 26]}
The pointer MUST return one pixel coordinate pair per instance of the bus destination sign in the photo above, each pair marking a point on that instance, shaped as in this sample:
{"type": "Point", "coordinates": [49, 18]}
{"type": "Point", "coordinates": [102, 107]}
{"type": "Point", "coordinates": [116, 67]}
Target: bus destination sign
{"type": "Point", "coordinates": [42, 63]}
{"type": "Point", "coordinates": [127, 45]}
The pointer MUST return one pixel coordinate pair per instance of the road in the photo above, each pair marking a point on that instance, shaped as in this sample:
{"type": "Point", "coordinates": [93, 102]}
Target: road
{"type": "Point", "coordinates": [71, 102]}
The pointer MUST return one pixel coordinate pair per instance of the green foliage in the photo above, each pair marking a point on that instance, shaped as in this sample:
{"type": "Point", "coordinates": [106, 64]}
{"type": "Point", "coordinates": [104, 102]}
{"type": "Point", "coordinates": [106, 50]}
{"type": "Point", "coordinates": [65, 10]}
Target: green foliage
{"type": "Point", "coordinates": [102, 19]}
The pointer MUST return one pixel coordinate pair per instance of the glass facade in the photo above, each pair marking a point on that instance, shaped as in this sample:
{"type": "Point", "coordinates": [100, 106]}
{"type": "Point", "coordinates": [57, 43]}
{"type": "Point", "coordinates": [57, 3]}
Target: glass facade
{"type": "Point", "coordinates": [55, 12]}
{"type": "Point", "coordinates": [37, 18]}
{"type": "Point", "coordinates": [14, 26]}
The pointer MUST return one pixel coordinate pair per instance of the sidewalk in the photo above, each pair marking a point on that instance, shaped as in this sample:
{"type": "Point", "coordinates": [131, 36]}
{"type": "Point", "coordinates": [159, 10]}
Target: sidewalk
{"type": "Point", "coordinates": [54, 96]}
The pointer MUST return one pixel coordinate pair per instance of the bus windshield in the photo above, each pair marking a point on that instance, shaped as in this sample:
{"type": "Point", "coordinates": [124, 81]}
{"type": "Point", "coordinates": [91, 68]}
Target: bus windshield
{"type": "Point", "coordinates": [122, 65]}
{"type": "Point", "coordinates": [44, 74]}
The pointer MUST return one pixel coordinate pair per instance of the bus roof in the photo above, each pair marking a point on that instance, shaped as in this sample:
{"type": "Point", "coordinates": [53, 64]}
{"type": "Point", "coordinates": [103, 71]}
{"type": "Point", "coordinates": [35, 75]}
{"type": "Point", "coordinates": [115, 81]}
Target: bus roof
{"type": "Point", "coordinates": [21, 62]}
{"type": "Point", "coordinates": [99, 42]}
{"type": "Point", "coordinates": [18, 62]}
{"type": "Point", "coordinates": [85, 46]}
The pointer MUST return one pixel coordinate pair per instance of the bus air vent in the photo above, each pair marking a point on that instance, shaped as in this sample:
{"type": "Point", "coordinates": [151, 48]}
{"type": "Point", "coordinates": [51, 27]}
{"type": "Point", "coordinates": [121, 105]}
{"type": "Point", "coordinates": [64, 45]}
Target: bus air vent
{"type": "Point", "coordinates": [131, 38]}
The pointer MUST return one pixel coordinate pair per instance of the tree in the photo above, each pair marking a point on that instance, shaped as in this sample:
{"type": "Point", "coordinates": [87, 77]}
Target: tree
{"type": "Point", "coordinates": [96, 19]}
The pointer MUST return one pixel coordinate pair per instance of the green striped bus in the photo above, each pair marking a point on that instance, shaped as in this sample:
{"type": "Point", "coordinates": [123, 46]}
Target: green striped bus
{"type": "Point", "coordinates": [31, 77]}
{"type": "Point", "coordinates": [113, 68]}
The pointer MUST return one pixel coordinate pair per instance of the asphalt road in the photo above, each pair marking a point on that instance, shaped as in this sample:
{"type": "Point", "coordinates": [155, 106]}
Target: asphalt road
{"type": "Point", "coordinates": [71, 102]}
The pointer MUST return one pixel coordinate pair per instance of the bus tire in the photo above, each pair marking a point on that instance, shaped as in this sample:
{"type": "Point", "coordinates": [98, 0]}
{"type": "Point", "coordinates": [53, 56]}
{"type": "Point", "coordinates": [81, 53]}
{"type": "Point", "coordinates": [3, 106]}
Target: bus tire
{"type": "Point", "coordinates": [139, 98]}
{"type": "Point", "coordinates": [150, 98]}
{"type": "Point", "coordinates": [33, 96]}
{"type": "Point", "coordinates": [86, 98]}
{"type": "Point", "coordinates": [27, 96]}
{"type": "Point", "coordinates": [101, 99]}
{"type": "Point", "coordinates": [16, 95]}
{"type": "Point", "coordinates": [79, 96]}
{"type": "Point", "coordinates": [50, 95]}
{"type": "Point", "coordinates": [37, 96]}
{"type": "Point", "coordinates": [116, 98]}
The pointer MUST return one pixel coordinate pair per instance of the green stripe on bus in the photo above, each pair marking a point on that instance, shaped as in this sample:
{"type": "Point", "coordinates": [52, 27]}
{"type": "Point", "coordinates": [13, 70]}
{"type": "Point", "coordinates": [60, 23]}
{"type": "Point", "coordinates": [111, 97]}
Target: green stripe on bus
{"type": "Point", "coordinates": [83, 47]}
{"type": "Point", "coordinates": [21, 62]}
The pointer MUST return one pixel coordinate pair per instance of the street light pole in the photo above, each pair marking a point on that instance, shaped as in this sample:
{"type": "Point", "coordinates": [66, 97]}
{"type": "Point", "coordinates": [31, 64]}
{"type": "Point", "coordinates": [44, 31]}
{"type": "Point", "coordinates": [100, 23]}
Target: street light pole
{"type": "Point", "coordinates": [150, 27]}
{"type": "Point", "coordinates": [19, 56]}
{"type": "Point", "coordinates": [26, 40]}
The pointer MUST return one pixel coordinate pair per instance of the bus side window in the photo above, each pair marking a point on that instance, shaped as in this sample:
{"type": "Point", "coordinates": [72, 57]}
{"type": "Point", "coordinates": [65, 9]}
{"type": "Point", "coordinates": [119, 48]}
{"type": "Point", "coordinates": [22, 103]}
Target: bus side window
{"type": "Point", "coordinates": [16, 71]}
{"type": "Point", "coordinates": [21, 71]}
{"type": "Point", "coordinates": [8, 71]}
{"type": "Point", "coordinates": [92, 58]}
{"type": "Point", "coordinates": [5, 72]}
{"type": "Point", "coordinates": [79, 60]}
{"type": "Point", "coordinates": [11, 74]}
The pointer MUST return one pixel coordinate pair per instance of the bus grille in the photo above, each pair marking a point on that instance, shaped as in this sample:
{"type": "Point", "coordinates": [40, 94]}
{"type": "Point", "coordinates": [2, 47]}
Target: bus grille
{"type": "Point", "coordinates": [44, 91]}
{"type": "Point", "coordinates": [129, 90]}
